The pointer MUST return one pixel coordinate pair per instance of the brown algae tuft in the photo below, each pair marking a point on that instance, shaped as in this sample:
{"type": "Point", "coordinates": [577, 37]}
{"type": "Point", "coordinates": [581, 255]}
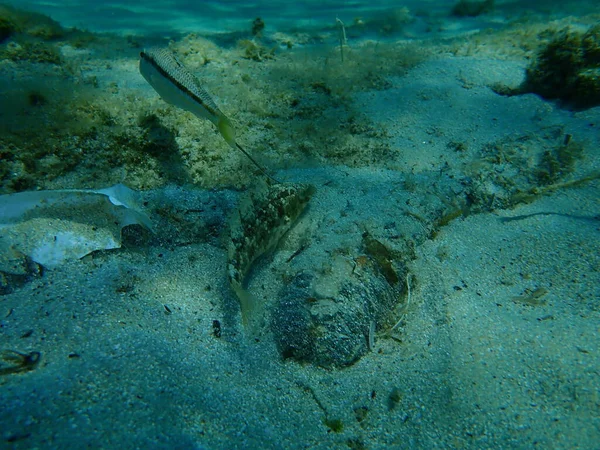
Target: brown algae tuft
{"type": "Point", "coordinates": [17, 362]}
{"type": "Point", "coordinates": [568, 69]}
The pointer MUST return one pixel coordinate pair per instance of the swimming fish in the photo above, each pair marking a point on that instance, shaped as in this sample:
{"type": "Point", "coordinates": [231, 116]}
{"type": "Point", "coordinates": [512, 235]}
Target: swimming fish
{"type": "Point", "coordinates": [179, 87]}
{"type": "Point", "coordinates": [264, 216]}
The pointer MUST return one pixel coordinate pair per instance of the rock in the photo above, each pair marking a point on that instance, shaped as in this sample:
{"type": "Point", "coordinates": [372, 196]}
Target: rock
{"type": "Point", "coordinates": [326, 319]}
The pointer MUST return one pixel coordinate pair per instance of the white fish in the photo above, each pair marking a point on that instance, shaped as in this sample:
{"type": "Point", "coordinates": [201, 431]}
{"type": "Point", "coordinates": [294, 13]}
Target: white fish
{"type": "Point", "coordinates": [179, 87]}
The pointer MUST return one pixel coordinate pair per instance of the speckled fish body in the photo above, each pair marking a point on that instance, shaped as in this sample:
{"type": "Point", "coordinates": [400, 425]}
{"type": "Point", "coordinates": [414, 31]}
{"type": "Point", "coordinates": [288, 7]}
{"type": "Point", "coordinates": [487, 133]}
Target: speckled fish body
{"type": "Point", "coordinates": [179, 87]}
{"type": "Point", "coordinates": [176, 84]}
{"type": "Point", "coordinates": [263, 218]}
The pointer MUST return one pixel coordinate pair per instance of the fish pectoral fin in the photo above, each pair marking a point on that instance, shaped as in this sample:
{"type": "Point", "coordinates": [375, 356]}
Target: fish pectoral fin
{"type": "Point", "coordinates": [248, 306]}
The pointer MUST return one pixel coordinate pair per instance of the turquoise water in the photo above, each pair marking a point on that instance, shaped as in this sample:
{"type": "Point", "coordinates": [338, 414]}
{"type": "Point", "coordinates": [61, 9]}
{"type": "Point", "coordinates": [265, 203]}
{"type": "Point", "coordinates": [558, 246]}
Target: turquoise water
{"type": "Point", "coordinates": [228, 16]}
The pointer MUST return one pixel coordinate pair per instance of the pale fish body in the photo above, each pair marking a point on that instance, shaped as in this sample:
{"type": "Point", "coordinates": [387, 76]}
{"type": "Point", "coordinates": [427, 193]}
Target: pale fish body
{"type": "Point", "coordinates": [179, 87]}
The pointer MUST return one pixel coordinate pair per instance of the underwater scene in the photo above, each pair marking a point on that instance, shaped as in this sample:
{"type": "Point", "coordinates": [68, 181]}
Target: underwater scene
{"type": "Point", "coordinates": [315, 225]}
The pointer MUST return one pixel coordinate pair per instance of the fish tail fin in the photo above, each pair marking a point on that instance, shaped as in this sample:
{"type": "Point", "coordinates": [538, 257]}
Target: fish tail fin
{"type": "Point", "coordinates": [248, 304]}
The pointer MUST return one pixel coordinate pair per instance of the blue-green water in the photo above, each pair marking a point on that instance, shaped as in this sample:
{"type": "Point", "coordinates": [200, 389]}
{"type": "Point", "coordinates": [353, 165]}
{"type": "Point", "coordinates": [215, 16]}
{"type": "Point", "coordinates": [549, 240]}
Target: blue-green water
{"type": "Point", "coordinates": [227, 16]}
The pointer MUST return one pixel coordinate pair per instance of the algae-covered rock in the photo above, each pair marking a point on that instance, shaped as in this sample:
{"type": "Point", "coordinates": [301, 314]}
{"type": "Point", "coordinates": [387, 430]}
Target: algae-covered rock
{"type": "Point", "coordinates": [568, 69]}
{"type": "Point", "coordinates": [255, 51]}
{"type": "Point", "coordinates": [329, 313]}
{"type": "Point", "coordinates": [591, 45]}
{"type": "Point", "coordinates": [465, 8]}
{"type": "Point", "coordinates": [330, 320]}
{"type": "Point", "coordinates": [7, 28]}
{"type": "Point", "coordinates": [586, 88]}
{"type": "Point", "coordinates": [38, 52]}
{"type": "Point", "coordinates": [13, 21]}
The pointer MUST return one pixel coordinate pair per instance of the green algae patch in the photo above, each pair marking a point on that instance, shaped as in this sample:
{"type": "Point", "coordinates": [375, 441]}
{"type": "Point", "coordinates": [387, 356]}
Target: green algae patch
{"type": "Point", "coordinates": [466, 8]}
{"type": "Point", "coordinates": [72, 122]}
{"type": "Point", "coordinates": [37, 52]}
{"type": "Point", "coordinates": [7, 27]}
{"type": "Point", "coordinates": [568, 69]}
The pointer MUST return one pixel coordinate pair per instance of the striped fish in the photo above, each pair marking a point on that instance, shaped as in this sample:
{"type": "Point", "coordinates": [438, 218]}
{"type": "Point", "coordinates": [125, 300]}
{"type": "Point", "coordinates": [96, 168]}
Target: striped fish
{"type": "Point", "coordinates": [179, 87]}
